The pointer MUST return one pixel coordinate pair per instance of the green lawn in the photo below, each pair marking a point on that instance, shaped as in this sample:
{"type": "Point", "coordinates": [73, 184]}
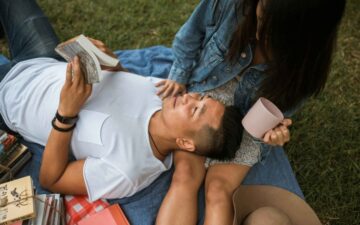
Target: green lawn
{"type": "Point", "coordinates": [325, 146]}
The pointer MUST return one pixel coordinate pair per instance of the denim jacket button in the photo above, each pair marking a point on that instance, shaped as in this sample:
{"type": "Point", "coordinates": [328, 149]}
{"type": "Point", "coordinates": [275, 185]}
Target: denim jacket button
{"type": "Point", "coordinates": [214, 78]}
{"type": "Point", "coordinates": [243, 55]}
{"type": "Point", "coordinates": [228, 69]}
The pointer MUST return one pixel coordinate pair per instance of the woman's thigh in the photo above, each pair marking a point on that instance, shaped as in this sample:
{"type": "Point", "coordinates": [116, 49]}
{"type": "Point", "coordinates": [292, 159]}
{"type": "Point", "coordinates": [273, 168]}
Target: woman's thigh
{"type": "Point", "coordinates": [250, 198]}
{"type": "Point", "coordinates": [275, 170]}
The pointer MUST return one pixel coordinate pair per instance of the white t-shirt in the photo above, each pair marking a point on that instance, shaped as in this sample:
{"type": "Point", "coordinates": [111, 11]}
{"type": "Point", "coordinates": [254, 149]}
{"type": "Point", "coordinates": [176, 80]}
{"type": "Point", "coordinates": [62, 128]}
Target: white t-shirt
{"type": "Point", "coordinates": [111, 133]}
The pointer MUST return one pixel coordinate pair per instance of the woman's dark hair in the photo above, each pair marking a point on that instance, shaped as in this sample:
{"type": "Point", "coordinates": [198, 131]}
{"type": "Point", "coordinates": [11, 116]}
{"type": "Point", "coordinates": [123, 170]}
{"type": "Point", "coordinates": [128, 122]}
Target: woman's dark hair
{"type": "Point", "coordinates": [297, 38]}
{"type": "Point", "coordinates": [222, 143]}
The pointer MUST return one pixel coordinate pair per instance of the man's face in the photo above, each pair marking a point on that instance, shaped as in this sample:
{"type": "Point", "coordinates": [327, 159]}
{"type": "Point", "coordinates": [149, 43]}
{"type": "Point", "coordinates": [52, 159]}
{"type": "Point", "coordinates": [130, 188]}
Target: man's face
{"type": "Point", "coordinates": [186, 114]}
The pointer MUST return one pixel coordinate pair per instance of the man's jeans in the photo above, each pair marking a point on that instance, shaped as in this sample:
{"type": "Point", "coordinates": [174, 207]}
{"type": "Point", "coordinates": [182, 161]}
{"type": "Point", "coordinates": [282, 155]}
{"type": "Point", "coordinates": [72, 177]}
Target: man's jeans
{"type": "Point", "coordinates": [30, 35]}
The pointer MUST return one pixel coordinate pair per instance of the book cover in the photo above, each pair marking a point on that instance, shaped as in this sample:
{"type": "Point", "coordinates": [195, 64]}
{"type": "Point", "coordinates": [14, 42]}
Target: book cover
{"type": "Point", "coordinates": [16, 200]}
{"type": "Point", "coordinates": [40, 207]}
{"type": "Point", "coordinates": [112, 215]}
{"type": "Point", "coordinates": [90, 57]}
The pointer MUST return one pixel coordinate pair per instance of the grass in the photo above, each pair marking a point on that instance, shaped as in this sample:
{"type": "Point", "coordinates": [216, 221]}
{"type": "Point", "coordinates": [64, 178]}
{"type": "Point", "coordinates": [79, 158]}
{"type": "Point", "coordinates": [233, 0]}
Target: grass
{"type": "Point", "coordinates": [325, 146]}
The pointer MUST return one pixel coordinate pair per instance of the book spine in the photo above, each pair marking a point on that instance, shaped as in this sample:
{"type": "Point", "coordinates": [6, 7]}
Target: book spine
{"type": "Point", "coordinates": [9, 141]}
{"type": "Point", "coordinates": [16, 167]}
{"type": "Point", "coordinates": [3, 136]}
{"type": "Point", "coordinates": [5, 155]}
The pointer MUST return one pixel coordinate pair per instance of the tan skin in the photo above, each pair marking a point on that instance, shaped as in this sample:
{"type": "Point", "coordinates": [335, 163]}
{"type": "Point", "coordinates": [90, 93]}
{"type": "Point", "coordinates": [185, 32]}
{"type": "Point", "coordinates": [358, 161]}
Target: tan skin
{"type": "Point", "coordinates": [171, 128]}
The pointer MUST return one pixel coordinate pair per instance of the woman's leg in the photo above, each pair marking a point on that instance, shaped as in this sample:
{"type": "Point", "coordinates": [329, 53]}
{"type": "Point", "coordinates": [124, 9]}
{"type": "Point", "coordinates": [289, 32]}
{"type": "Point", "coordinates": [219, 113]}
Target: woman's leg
{"type": "Point", "coordinates": [253, 202]}
{"type": "Point", "coordinates": [273, 183]}
{"type": "Point", "coordinates": [267, 216]}
{"type": "Point", "coordinates": [180, 203]}
{"type": "Point", "coordinates": [221, 182]}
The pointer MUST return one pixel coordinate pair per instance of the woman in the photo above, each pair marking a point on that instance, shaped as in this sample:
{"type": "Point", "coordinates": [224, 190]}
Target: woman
{"type": "Point", "coordinates": [237, 51]}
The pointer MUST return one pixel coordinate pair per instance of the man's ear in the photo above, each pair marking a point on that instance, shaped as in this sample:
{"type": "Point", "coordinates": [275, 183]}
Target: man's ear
{"type": "Point", "coordinates": [186, 144]}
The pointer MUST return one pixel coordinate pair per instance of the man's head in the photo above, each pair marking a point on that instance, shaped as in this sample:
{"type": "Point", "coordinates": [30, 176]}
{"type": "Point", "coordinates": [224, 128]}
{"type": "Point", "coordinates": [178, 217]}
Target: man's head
{"type": "Point", "coordinates": [203, 125]}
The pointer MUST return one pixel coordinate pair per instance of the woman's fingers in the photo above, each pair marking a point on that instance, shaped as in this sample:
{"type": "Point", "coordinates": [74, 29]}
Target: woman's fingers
{"type": "Point", "coordinates": [286, 133]}
{"type": "Point", "coordinates": [160, 83]}
{"type": "Point", "coordinates": [286, 122]}
{"type": "Point", "coordinates": [266, 137]}
{"type": "Point", "coordinates": [168, 90]}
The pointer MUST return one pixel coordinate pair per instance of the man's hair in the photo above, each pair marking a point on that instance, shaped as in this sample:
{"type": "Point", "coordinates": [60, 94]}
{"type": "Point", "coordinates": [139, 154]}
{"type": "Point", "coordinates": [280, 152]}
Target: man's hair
{"type": "Point", "coordinates": [223, 142]}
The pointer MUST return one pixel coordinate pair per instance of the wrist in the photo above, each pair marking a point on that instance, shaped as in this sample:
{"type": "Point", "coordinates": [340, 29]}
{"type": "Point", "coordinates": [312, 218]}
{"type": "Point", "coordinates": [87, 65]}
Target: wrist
{"type": "Point", "coordinates": [64, 119]}
{"type": "Point", "coordinates": [61, 127]}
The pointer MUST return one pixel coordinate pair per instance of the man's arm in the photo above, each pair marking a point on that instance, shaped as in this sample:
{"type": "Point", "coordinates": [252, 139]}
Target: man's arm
{"type": "Point", "coordinates": [56, 174]}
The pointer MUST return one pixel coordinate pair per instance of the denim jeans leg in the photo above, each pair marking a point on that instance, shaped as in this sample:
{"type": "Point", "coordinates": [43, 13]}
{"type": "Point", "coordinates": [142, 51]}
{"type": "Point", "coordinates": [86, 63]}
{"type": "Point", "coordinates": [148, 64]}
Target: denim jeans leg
{"type": "Point", "coordinates": [28, 30]}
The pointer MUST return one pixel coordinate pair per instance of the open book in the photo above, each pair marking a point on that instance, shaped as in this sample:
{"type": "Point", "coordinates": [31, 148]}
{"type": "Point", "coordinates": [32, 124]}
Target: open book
{"type": "Point", "coordinates": [90, 57]}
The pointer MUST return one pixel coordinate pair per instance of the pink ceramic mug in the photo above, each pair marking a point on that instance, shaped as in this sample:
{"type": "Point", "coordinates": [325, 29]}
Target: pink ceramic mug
{"type": "Point", "coordinates": [262, 117]}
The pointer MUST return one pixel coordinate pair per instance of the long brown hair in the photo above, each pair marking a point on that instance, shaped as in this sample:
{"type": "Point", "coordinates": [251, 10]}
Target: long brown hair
{"type": "Point", "coordinates": [297, 38]}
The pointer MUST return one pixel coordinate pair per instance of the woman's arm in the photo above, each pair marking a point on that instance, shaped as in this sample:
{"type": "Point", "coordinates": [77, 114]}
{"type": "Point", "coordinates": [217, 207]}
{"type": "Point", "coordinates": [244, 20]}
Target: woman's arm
{"type": "Point", "coordinates": [189, 39]}
{"type": "Point", "coordinates": [186, 48]}
{"type": "Point", "coordinates": [56, 174]}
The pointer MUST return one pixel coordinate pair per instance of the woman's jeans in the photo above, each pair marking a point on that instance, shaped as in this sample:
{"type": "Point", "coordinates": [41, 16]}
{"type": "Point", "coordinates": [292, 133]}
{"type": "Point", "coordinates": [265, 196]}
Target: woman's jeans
{"type": "Point", "coordinates": [30, 35]}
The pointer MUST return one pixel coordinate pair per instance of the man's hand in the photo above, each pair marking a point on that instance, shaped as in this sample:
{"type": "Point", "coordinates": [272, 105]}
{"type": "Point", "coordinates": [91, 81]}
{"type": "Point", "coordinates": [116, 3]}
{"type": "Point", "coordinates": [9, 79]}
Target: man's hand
{"type": "Point", "coordinates": [170, 88]}
{"type": "Point", "coordinates": [279, 135]}
{"type": "Point", "coordinates": [100, 45]}
{"type": "Point", "coordinates": [75, 91]}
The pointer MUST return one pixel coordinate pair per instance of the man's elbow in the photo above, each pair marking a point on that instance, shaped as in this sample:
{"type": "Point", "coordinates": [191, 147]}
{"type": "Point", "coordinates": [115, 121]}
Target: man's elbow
{"type": "Point", "coordinates": [46, 183]}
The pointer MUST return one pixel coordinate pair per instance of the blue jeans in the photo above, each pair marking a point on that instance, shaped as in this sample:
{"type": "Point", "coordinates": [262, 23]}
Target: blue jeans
{"type": "Point", "coordinates": [28, 32]}
{"type": "Point", "coordinates": [30, 35]}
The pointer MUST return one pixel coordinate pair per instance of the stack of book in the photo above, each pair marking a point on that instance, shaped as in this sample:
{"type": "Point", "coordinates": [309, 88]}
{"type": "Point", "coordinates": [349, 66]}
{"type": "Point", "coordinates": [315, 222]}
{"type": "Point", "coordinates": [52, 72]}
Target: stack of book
{"type": "Point", "coordinates": [49, 210]}
{"type": "Point", "coordinates": [19, 205]}
{"type": "Point", "coordinates": [17, 200]}
{"type": "Point", "coordinates": [13, 156]}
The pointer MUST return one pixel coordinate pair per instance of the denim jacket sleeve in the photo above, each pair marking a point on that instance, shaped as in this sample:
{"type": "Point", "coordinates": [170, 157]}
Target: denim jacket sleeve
{"type": "Point", "coordinates": [190, 38]}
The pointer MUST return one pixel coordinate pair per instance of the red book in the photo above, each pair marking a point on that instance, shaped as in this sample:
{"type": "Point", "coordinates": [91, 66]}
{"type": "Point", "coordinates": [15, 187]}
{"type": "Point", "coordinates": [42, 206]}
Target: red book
{"type": "Point", "coordinates": [112, 215]}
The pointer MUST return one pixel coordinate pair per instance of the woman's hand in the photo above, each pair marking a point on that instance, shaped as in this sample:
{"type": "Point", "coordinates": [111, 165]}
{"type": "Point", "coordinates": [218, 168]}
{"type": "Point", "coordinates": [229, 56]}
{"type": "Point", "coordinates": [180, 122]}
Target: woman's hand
{"type": "Point", "coordinates": [170, 88]}
{"type": "Point", "coordinates": [75, 91]}
{"type": "Point", "coordinates": [279, 135]}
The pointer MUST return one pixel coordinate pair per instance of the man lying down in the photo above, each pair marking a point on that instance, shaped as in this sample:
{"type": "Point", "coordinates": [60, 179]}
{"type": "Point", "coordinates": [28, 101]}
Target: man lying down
{"type": "Point", "coordinates": [121, 133]}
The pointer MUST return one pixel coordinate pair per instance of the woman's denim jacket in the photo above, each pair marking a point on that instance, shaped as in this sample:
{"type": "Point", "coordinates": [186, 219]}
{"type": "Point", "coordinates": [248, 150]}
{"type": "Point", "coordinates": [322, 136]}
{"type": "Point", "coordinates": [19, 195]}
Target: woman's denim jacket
{"type": "Point", "coordinates": [200, 48]}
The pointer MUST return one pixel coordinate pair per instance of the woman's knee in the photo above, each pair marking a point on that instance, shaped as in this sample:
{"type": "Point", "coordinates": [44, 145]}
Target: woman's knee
{"type": "Point", "coordinates": [188, 174]}
{"type": "Point", "coordinates": [218, 191]}
{"type": "Point", "coordinates": [267, 216]}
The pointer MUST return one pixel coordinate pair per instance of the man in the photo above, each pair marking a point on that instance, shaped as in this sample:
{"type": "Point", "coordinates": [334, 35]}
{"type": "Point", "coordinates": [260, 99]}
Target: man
{"type": "Point", "coordinates": [121, 133]}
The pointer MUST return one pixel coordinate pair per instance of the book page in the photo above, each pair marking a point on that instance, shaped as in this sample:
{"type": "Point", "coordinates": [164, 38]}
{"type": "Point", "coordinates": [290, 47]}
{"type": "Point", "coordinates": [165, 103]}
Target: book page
{"type": "Point", "coordinates": [89, 64]}
{"type": "Point", "coordinates": [103, 58]}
